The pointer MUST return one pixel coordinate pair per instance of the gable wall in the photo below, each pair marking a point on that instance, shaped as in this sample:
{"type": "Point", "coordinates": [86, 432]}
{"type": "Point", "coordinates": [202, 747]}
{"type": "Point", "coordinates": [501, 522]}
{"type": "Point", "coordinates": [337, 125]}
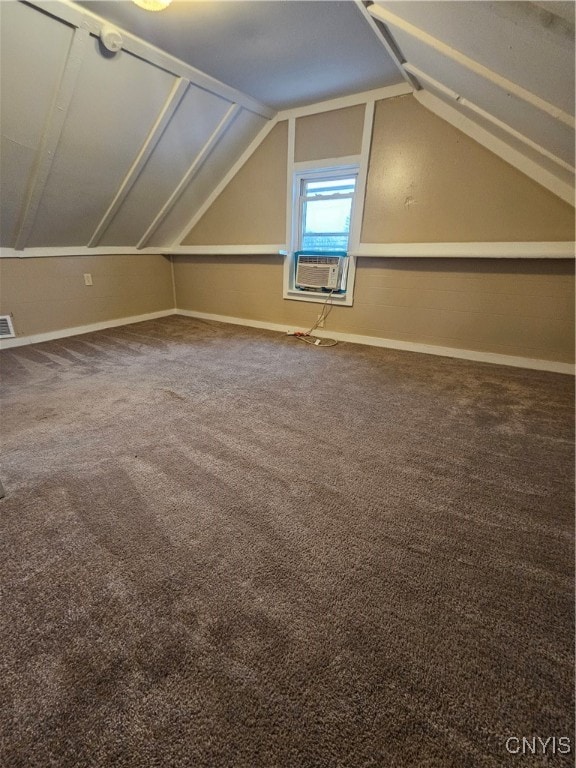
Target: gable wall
{"type": "Point", "coordinates": [427, 182]}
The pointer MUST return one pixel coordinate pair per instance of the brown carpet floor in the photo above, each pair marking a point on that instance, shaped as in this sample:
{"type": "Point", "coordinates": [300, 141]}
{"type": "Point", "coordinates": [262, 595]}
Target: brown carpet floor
{"type": "Point", "coordinates": [222, 547]}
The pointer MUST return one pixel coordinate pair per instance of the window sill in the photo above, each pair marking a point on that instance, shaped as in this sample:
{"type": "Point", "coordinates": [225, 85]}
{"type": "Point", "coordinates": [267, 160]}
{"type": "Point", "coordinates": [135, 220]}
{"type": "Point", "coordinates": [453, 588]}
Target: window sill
{"type": "Point", "coordinates": [342, 300]}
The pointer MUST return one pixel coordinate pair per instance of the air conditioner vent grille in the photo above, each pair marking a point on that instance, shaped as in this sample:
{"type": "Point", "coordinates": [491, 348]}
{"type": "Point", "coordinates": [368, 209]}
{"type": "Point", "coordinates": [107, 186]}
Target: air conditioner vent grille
{"type": "Point", "coordinates": [318, 272]}
{"type": "Point", "coordinates": [319, 260]}
{"type": "Point", "coordinates": [6, 327]}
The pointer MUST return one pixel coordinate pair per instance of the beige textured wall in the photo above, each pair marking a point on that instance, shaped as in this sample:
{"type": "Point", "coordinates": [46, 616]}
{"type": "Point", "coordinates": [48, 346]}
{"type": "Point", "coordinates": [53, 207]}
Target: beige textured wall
{"type": "Point", "coordinates": [48, 294]}
{"type": "Point", "coordinates": [329, 134]}
{"type": "Point", "coordinates": [513, 307]}
{"type": "Point", "coordinates": [252, 208]}
{"type": "Point", "coordinates": [428, 182]}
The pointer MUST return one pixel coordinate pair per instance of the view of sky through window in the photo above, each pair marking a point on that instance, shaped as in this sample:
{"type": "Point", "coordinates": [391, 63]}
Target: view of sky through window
{"type": "Point", "coordinates": [326, 207]}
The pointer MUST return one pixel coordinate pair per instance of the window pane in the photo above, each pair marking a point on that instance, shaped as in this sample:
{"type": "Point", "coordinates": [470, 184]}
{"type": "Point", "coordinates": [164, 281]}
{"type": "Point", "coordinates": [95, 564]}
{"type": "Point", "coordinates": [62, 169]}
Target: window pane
{"type": "Point", "coordinates": [330, 187]}
{"type": "Point", "coordinates": [327, 216]}
{"type": "Point", "coordinates": [349, 182]}
{"type": "Point", "coordinates": [325, 205]}
{"type": "Point", "coordinates": [325, 243]}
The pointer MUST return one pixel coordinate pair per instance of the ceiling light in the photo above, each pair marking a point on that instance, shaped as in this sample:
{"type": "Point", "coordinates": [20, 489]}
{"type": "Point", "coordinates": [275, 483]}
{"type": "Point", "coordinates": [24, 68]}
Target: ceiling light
{"type": "Point", "coordinates": [152, 5]}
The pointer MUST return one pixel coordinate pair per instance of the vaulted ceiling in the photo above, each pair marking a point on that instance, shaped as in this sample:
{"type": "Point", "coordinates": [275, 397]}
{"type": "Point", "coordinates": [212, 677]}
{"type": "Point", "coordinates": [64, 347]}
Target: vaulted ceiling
{"type": "Point", "coordinates": [120, 148]}
{"type": "Point", "coordinates": [283, 53]}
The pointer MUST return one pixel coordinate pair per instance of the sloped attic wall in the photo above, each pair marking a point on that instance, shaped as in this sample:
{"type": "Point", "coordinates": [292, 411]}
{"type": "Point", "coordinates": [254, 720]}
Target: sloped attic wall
{"type": "Point", "coordinates": [102, 148]}
{"type": "Point", "coordinates": [429, 183]}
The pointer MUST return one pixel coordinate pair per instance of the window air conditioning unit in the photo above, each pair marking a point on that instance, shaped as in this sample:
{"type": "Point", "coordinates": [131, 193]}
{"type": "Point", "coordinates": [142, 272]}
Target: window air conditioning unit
{"type": "Point", "coordinates": [319, 271]}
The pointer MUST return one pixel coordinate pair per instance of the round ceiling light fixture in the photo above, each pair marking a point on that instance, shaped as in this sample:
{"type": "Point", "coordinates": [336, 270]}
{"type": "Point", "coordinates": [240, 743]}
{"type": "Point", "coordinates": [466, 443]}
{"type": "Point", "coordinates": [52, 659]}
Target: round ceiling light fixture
{"type": "Point", "coordinates": [152, 5]}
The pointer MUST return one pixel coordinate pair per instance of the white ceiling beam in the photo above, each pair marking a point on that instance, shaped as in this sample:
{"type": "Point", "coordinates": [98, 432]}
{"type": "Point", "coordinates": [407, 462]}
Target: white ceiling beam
{"type": "Point", "coordinates": [391, 49]}
{"type": "Point", "coordinates": [512, 156]}
{"type": "Point", "coordinates": [197, 163]}
{"type": "Point", "coordinates": [472, 250]}
{"type": "Point", "coordinates": [342, 102]}
{"type": "Point", "coordinates": [387, 17]}
{"type": "Point", "coordinates": [171, 105]}
{"type": "Point", "coordinates": [360, 191]}
{"type": "Point", "coordinates": [51, 137]}
{"type": "Point", "coordinates": [438, 86]}
{"type": "Point", "coordinates": [272, 249]}
{"type": "Point", "coordinates": [74, 250]}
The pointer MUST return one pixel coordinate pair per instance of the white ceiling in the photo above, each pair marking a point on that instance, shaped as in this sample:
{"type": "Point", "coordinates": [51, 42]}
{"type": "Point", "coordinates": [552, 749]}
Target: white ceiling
{"type": "Point", "coordinates": [283, 53]}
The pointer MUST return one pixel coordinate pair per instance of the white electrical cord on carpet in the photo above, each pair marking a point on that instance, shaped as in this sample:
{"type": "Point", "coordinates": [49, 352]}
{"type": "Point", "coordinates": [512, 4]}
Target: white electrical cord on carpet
{"type": "Point", "coordinates": [315, 340]}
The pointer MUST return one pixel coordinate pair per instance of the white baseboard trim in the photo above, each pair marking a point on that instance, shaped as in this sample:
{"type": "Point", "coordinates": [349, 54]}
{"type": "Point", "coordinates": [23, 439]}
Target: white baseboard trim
{"type": "Point", "coordinates": [354, 338]}
{"type": "Point", "coordinates": [237, 321]}
{"type": "Point", "coordinates": [406, 346]}
{"type": "Point", "coordinates": [21, 341]}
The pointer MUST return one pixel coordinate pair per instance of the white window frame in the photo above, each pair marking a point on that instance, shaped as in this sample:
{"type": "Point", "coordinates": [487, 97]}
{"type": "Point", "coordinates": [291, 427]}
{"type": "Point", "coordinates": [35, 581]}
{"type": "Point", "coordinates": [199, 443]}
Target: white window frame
{"type": "Point", "coordinates": [300, 178]}
{"type": "Point", "coordinates": [315, 171]}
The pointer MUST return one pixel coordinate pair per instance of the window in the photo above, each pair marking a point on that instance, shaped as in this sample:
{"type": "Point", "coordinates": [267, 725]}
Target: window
{"type": "Point", "coordinates": [322, 212]}
{"type": "Point", "coordinates": [325, 209]}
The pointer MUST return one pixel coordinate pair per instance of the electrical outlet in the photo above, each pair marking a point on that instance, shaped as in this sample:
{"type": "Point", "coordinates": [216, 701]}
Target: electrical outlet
{"type": "Point", "coordinates": [321, 322]}
{"type": "Point", "coordinates": [87, 278]}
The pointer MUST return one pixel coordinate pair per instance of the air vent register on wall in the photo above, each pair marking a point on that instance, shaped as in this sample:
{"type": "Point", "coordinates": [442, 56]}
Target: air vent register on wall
{"type": "Point", "coordinates": [321, 271]}
{"type": "Point", "coordinates": [6, 327]}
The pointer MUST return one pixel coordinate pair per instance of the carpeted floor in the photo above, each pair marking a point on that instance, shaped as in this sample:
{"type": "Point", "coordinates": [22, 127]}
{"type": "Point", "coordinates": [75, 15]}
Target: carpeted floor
{"type": "Point", "coordinates": [221, 547]}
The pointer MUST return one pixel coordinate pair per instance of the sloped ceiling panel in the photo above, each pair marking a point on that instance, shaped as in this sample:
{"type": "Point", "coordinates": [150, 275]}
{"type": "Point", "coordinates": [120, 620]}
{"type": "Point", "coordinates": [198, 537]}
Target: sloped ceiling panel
{"type": "Point", "coordinates": [282, 53]}
{"type": "Point", "coordinates": [191, 126]}
{"type": "Point", "coordinates": [16, 164]}
{"type": "Point", "coordinates": [115, 104]}
{"type": "Point", "coordinates": [231, 145]}
{"type": "Point", "coordinates": [34, 50]}
{"type": "Point", "coordinates": [97, 146]}
{"type": "Point", "coordinates": [507, 67]}
{"type": "Point", "coordinates": [524, 43]}
{"type": "Point", "coordinates": [527, 119]}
